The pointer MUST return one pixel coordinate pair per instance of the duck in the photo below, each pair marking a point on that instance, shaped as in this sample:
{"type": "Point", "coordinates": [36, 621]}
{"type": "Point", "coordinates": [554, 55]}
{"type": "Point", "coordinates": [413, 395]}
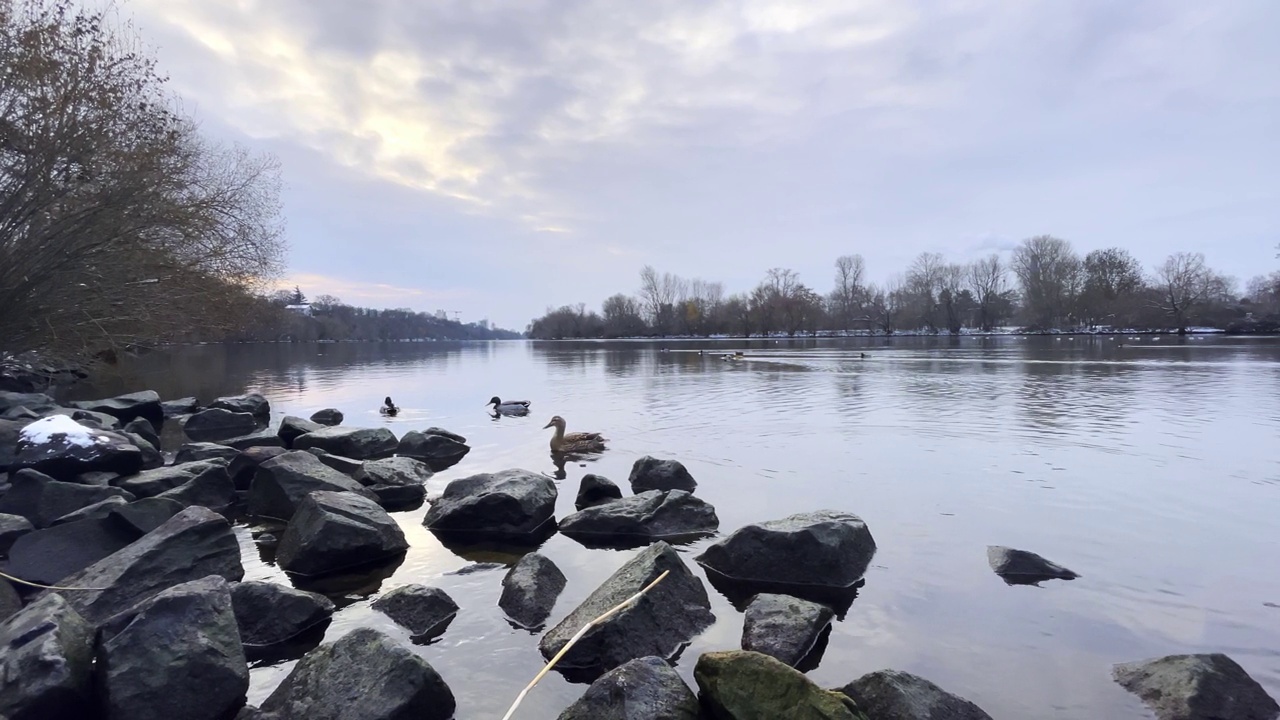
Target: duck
{"type": "Point", "coordinates": [578, 442]}
{"type": "Point", "coordinates": [388, 408]}
{"type": "Point", "coordinates": [509, 406]}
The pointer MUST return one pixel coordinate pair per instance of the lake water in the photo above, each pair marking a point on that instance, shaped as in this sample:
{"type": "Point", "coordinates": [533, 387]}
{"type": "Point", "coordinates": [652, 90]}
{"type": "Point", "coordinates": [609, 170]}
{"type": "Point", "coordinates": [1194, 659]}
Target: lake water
{"type": "Point", "coordinates": [1151, 469]}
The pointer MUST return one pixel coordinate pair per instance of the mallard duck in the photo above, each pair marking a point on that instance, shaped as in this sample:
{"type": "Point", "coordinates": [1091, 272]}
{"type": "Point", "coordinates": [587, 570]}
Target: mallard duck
{"type": "Point", "coordinates": [510, 407]}
{"type": "Point", "coordinates": [579, 442]}
{"type": "Point", "coordinates": [388, 407]}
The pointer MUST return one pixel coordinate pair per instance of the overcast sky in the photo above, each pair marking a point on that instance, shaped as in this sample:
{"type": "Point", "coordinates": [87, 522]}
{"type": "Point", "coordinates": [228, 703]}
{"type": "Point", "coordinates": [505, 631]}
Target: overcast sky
{"type": "Point", "coordinates": [495, 158]}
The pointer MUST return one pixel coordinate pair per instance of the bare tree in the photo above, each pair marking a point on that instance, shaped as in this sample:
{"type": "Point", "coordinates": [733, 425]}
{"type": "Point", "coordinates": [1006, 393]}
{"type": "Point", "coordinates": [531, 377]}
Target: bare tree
{"type": "Point", "coordinates": [923, 285]}
{"type": "Point", "coordinates": [849, 293]}
{"type": "Point", "coordinates": [987, 281]}
{"type": "Point", "coordinates": [1185, 282]}
{"type": "Point", "coordinates": [1112, 284]}
{"type": "Point", "coordinates": [622, 317]}
{"type": "Point", "coordinates": [953, 300]}
{"type": "Point", "coordinates": [661, 296]}
{"type": "Point", "coordinates": [1049, 272]}
{"type": "Point", "coordinates": [885, 304]}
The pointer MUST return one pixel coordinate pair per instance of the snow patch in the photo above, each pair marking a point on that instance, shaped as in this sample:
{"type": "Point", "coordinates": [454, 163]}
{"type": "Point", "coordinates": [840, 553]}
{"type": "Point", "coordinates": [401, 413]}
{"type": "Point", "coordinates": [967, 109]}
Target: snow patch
{"type": "Point", "coordinates": [46, 430]}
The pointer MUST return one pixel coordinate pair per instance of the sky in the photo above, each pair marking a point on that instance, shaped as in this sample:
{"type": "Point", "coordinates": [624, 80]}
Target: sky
{"type": "Point", "coordinates": [497, 158]}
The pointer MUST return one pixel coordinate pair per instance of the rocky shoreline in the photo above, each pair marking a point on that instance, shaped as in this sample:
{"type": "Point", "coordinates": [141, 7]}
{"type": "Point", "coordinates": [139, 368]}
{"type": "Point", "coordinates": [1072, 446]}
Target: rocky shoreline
{"type": "Point", "coordinates": [128, 599]}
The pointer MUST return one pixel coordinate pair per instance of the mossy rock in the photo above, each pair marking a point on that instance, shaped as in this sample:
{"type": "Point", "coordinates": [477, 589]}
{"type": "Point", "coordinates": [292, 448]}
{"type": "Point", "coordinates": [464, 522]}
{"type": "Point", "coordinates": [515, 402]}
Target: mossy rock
{"type": "Point", "coordinates": [744, 685]}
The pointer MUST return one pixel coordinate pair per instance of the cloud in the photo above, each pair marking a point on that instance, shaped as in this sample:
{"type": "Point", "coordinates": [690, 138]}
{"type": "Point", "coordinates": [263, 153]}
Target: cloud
{"type": "Point", "coordinates": [367, 294]}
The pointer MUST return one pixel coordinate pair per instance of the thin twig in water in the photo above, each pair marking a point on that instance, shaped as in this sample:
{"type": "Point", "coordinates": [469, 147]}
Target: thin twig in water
{"type": "Point", "coordinates": [578, 636]}
{"type": "Point", "coordinates": [11, 578]}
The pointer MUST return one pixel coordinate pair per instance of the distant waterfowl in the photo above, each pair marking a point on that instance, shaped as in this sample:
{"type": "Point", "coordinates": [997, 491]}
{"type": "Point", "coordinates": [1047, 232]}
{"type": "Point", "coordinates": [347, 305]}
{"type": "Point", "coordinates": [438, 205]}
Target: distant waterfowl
{"type": "Point", "coordinates": [578, 442]}
{"type": "Point", "coordinates": [509, 407]}
{"type": "Point", "coordinates": [862, 355]}
{"type": "Point", "coordinates": [388, 408]}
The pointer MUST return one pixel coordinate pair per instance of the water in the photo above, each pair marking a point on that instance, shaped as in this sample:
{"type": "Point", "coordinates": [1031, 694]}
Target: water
{"type": "Point", "coordinates": [1150, 469]}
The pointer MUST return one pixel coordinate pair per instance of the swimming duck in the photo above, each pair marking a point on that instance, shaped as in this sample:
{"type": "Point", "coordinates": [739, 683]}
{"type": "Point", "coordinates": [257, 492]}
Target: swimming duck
{"type": "Point", "coordinates": [388, 408]}
{"type": "Point", "coordinates": [578, 442]}
{"type": "Point", "coordinates": [509, 406]}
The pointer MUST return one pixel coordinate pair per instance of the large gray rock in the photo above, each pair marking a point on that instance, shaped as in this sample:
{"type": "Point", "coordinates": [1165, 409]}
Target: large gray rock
{"type": "Point", "coordinates": [334, 531]}
{"type": "Point", "coordinates": [193, 544]}
{"type": "Point", "coordinates": [896, 695]}
{"type": "Point", "coordinates": [650, 473]}
{"type": "Point", "coordinates": [269, 614]}
{"type": "Point", "coordinates": [49, 555]}
{"type": "Point", "coordinates": [143, 429]}
{"type": "Point", "coordinates": [784, 627]}
{"type": "Point", "coordinates": [596, 490]}
{"type": "Point", "coordinates": [652, 515]}
{"type": "Point", "coordinates": [1020, 567]}
{"type": "Point", "coordinates": [12, 527]}
{"type": "Point", "coordinates": [395, 471]}
{"type": "Point", "coordinates": [261, 438]}
{"type": "Point", "coordinates": [744, 685]}
{"type": "Point", "coordinates": [659, 623]}
{"type": "Point", "coordinates": [145, 405]}
{"type": "Point", "coordinates": [439, 449]}
{"type": "Point", "coordinates": [327, 416]}
{"type": "Point", "coordinates": [9, 432]}
{"type": "Point", "coordinates": [355, 443]}
{"type": "Point", "coordinates": [244, 466]}
{"type": "Point", "coordinates": [46, 663]}
{"type": "Point", "coordinates": [100, 509]}
{"type": "Point", "coordinates": [152, 458]}
{"type": "Point", "coordinates": [44, 446]}
{"type": "Point", "coordinates": [89, 418]}
{"type": "Point", "coordinates": [193, 451]}
{"type": "Point", "coordinates": [281, 483]}
{"type": "Point", "coordinates": [177, 654]}
{"type": "Point", "coordinates": [151, 483]}
{"type": "Point", "coordinates": [212, 489]}
{"type": "Point", "coordinates": [423, 611]}
{"type": "Point", "coordinates": [292, 428]}
{"type": "Point", "coordinates": [345, 465]}
{"type": "Point", "coordinates": [252, 403]}
{"type": "Point", "coordinates": [642, 689]}
{"type": "Point", "coordinates": [362, 676]}
{"type": "Point", "coordinates": [179, 407]}
{"type": "Point", "coordinates": [10, 601]}
{"type": "Point", "coordinates": [823, 549]}
{"type": "Point", "coordinates": [42, 500]}
{"type": "Point", "coordinates": [396, 498]}
{"type": "Point", "coordinates": [38, 402]}
{"type": "Point", "coordinates": [530, 590]}
{"type": "Point", "coordinates": [146, 514]}
{"type": "Point", "coordinates": [1197, 687]}
{"type": "Point", "coordinates": [219, 424]}
{"type": "Point", "coordinates": [506, 504]}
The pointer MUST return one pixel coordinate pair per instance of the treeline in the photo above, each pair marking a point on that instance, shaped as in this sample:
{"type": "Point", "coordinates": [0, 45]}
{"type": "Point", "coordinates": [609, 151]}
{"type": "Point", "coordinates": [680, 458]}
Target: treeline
{"type": "Point", "coordinates": [1044, 285]}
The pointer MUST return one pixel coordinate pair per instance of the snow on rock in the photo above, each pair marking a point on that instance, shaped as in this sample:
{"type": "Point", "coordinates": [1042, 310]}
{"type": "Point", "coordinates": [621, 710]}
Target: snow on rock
{"type": "Point", "coordinates": [43, 431]}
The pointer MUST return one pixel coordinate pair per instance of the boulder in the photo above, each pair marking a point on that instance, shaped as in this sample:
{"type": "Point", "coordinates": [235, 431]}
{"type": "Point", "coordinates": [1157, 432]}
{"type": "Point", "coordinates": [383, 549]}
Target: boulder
{"type": "Point", "coordinates": [363, 676]}
{"type": "Point", "coordinates": [152, 458]}
{"type": "Point", "coordinates": [179, 407]}
{"type": "Point", "coordinates": [177, 654]}
{"type": "Point", "coordinates": [650, 473]}
{"type": "Point", "coordinates": [506, 504]}
{"type": "Point", "coordinates": [22, 414]}
{"type": "Point", "coordinates": [193, 544]}
{"type": "Point", "coordinates": [1197, 687]}
{"type": "Point", "coordinates": [784, 627]}
{"type": "Point", "coordinates": [145, 405]}
{"type": "Point", "coordinates": [38, 402]}
{"type": "Point", "coordinates": [896, 695]}
{"type": "Point", "coordinates": [807, 551]}
{"type": "Point", "coordinates": [744, 685]}
{"type": "Point", "coordinates": [12, 527]}
{"type": "Point", "coordinates": [355, 443]}
{"type": "Point", "coordinates": [395, 471]}
{"type": "Point", "coordinates": [438, 448]}
{"type": "Point", "coordinates": [49, 555]}
{"type": "Point", "coordinates": [146, 514]}
{"type": "Point", "coordinates": [143, 429]}
{"type": "Point", "coordinates": [101, 479]}
{"type": "Point", "coordinates": [337, 530]}
{"type": "Point", "coordinates": [10, 601]}
{"type": "Point", "coordinates": [327, 416]}
{"type": "Point", "coordinates": [192, 452]}
{"type": "Point", "coordinates": [652, 515]}
{"type": "Point", "coordinates": [10, 430]}
{"type": "Point", "coordinates": [42, 500]}
{"type": "Point", "coordinates": [396, 498]}
{"type": "Point", "coordinates": [218, 424]}
{"type": "Point", "coordinates": [245, 464]}
{"type": "Point", "coordinates": [423, 611]}
{"type": "Point", "coordinates": [659, 623]}
{"type": "Point", "coordinates": [596, 490]}
{"type": "Point", "coordinates": [642, 689]}
{"type": "Point", "coordinates": [281, 483]}
{"type": "Point", "coordinates": [100, 509]}
{"type": "Point", "coordinates": [269, 614]}
{"type": "Point", "coordinates": [89, 418]}
{"type": "Point", "coordinates": [252, 403]}
{"type": "Point", "coordinates": [46, 663]}
{"type": "Point", "coordinates": [292, 428]}
{"type": "Point", "coordinates": [530, 590]}
{"type": "Point", "coordinates": [61, 447]}
{"type": "Point", "coordinates": [345, 465]}
{"type": "Point", "coordinates": [151, 483]}
{"type": "Point", "coordinates": [1019, 567]}
{"type": "Point", "coordinates": [212, 489]}
{"type": "Point", "coordinates": [262, 438]}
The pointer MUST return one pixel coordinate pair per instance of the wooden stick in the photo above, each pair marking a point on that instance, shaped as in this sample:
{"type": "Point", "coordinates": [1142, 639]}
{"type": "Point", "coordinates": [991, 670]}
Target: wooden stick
{"type": "Point", "coordinates": [45, 587]}
{"type": "Point", "coordinates": [578, 636]}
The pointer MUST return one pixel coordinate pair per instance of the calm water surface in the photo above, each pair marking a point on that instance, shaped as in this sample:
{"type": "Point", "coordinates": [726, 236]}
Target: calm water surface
{"type": "Point", "coordinates": [1153, 470]}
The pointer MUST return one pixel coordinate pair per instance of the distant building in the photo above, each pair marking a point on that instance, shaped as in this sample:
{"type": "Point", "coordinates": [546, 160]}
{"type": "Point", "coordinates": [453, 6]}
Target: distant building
{"type": "Point", "coordinates": [442, 315]}
{"type": "Point", "coordinates": [304, 309]}
{"type": "Point", "coordinates": [483, 324]}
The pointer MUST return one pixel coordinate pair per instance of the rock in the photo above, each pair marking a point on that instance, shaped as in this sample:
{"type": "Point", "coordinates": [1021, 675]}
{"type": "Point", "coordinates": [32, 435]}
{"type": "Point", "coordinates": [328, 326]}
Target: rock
{"type": "Point", "coordinates": [269, 614]}
{"type": "Point", "coordinates": [424, 611]}
{"type": "Point", "coordinates": [596, 490]}
{"type": "Point", "coordinates": [530, 590]}
{"type": "Point", "coordinates": [10, 430]}
{"type": "Point", "coordinates": [143, 429]}
{"type": "Point", "coordinates": [192, 452]}
{"type": "Point", "coordinates": [101, 479]}
{"type": "Point", "coordinates": [245, 464]}
{"type": "Point", "coordinates": [506, 504]}
{"type": "Point", "coordinates": [743, 685]}
{"type": "Point", "coordinates": [38, 402]}
{"type": "Point", "coordinates": [652, 515]}
{"type": "Point", "coordinates": [212, 489]}
{"type": "Point", "coordinates": [803, 552]}
{"type": "Point", "coordinates": [345, 465]}
{"type": "Point", "coordinates": [252, 403]}
{"type": "Point", "coordinates": [1019, 567]}
{"type": "Point", "coordinates": [659, 623]}
{"type": "Point", "coordinates": [267, 540]}
{"type": "Point", "coordinates": [49, 555]}
{"type": "Point", "coordinates": [151, 456]}
{"type": "Point", "coordinates": [151, 483]}
{"type": "Point", "coordinates": [191, 545]}
{"type": "Point", "coordinates": [89, 418]}
{"type": "Point", "coordinates": [179, 407]}
{"type": "Point", "coordinates": [23, 414]}
{"type": "Point", "coordinates": [12, 527]}
{"type": "Point", "coordinates": [439, 449]}
{"type": "Point", "coordinates": [1197, 687]}
{"type": "Point", "coordinates": [396, 498]}
{"type": "Point", "coordinates": [362, 676]}
{"type": "Point", "coordinates": [146, 514]}
{"type": "Point", "coordinates": [99, 510]}
{"type": "Point", "coordinates": [896, 695]}
{"type": "Point", "coordinates": [42, 500]}
{"type": "Point", "coordinates": [395, 471]}
{"type": "Point", "coordinates": [145, 405]}
{"type": "Point", "coordinates": [262, 438]}
{"type": "Point", "coordinates": [282, 482]}
{"type": "Point", "coordinates": [784, 627]}
{"type": "Point", "coordinates": [177, 654]}
{"type": "Point", "coordinates": [327, 416]}
{"type": "Point", "coordinates": [643, 689]}
{"type": "Point", "coordinates": [355, 443]}
{"type": "Point", "coordinates": [63, 449]}
{"type": "Point", "coordinates": [219, 424]}
{"type": "Point", "coordinates": [650, 473]}
{"type": "Point", "coordinates": [292, 428]}
{"type": "Point", "coordinates": [46, 663]}
{"type": "Point", "coordinates": [10, 601]}
{"type": "Point", "coordinates": [337, 530]}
